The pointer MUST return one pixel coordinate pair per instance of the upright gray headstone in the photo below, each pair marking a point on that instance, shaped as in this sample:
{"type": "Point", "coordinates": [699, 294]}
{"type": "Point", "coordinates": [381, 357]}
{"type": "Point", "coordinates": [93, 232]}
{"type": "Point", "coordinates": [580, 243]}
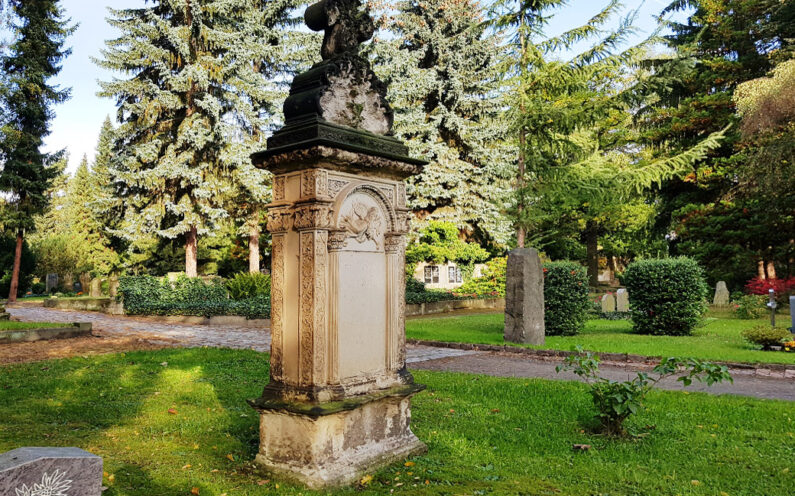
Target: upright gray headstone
{"type": "Point", "coordinates": [622, 300]}
{"type": "Point", "coordinates": [50, 472]}
{"type": "Point", "coordinates": [96, 288]}
{"type": "Point", "coordinates": [608, 303]}
{"type": "Point", "coordinates": [721, 298]}
{"type": "Point", "coordinates": [524, 297]}
{"type": "Point", "coordinates": [51, 282]}
{"type": "Point", "coordinates": [792, 313]}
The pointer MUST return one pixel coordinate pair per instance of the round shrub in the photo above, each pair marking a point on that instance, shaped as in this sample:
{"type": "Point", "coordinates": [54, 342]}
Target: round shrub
{"type": "Point", "coordinates": [566, 300]}
{"type": "Point", "coordinates": [750, 307]}
{"type": "Point", "coordinates": [667, 296]}
{"type": "Point", "coordinates": [766, 336]}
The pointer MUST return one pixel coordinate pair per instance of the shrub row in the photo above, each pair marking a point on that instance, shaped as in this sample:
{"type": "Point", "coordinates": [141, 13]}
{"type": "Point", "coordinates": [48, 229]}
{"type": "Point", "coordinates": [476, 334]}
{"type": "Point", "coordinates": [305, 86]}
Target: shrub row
{"type": "Point", "coordinates": [147, 295]}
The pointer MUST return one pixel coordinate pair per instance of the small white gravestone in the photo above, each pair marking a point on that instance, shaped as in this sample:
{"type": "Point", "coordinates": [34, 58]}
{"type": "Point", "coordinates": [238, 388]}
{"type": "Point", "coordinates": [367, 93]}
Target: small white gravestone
{"type": "Point", "coordinates": [622, 300]}
{"type": "Point", "coordinates": [608, 303]}
{"type": "Point", "coordinates": [50, 472]}
{"type": "Point", "coordinates": [721, 298]}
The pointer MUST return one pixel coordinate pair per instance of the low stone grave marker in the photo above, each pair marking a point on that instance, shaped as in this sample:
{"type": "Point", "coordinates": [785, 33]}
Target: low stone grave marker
{"type": "Point", "coordinates": [3, 314]}
{"type": "Point", "coordinates": [622, 300]}
{"type": "Point", "coordinates": [721, 297]}
{"type": "Point", "coordinates": [608, 303]}
{"type": "Point", "coordinates": [50, 472]}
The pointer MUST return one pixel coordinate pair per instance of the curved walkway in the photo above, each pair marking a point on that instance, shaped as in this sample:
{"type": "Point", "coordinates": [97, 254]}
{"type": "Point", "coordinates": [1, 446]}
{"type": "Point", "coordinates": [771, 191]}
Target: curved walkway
{"type": "Point", "coordinates": [421, 357]}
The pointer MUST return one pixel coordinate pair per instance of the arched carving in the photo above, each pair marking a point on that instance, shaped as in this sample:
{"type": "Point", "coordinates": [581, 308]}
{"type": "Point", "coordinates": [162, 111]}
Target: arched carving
{"type": "Point", "coordinates": [365, 214]}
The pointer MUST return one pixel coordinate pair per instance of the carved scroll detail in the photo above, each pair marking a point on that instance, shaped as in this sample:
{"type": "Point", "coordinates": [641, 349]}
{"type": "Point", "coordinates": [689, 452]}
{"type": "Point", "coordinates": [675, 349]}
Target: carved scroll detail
{"type": "Point", "coordinates": [277, 308]}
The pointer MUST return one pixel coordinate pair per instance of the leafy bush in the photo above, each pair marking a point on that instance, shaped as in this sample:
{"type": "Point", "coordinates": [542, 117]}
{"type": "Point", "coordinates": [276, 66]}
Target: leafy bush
{"type": "Point", "coordinates": [38, 288]}
{"type": "Point", "coordinates": [247, 285]}
{"type": "Point", "coordinates": [490, 284]}
{"type": "Point", "coordinates": [749, 307]}
{"type": "Point", "coordinates": [616, 401]}
{"type": "Point", "coordinates": [566, 301]}
{"type": "Point", "coordinates": [439, 243]}
{"type": "Point", "coordinates": [416, 293]}
{"type": "Point", "coordinates": [146, 295]}
{"type": "Point", "coordinates": [767, 336]}
{"type": "Point", "coordinates": [667, 296]}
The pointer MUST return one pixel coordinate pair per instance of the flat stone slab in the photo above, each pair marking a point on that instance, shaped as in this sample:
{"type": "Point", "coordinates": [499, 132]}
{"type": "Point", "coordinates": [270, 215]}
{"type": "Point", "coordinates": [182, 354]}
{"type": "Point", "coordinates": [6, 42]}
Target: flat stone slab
{"type": "Point", "coordinates": [44, 333]}
{"type": "Point", "coordinates": [50, 472]}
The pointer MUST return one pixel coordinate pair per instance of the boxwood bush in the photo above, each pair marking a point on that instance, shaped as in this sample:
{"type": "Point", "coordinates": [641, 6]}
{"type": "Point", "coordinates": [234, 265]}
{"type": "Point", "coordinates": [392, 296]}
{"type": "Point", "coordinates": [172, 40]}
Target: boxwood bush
{"type": "Point", "coordinates": [667, 296]}
{"type": "Point", "coordinates": [566, 301]}
{"type": "Point", "coordinates": [147, 295]}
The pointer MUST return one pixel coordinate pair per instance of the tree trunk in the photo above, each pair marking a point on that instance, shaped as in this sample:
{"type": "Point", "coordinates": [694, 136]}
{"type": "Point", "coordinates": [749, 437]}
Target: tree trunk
{"type": "Point", "coordinates": [191, 249]}
{"type": "Point", "coordinates": [770, 270]}
{"type": "Point", "coordinates": [253, 243]}
{"type": "Point", "coordinates": [12, 293]}
{"type": "Point", "coordinates": [592, 252]}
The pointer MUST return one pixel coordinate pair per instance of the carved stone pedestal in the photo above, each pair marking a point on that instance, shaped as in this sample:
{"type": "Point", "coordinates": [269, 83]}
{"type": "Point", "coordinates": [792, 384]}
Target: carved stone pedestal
{"type": "Point", "coordinates": [338, 401]}
{"type": "Point", "coordinates": [339, 398]}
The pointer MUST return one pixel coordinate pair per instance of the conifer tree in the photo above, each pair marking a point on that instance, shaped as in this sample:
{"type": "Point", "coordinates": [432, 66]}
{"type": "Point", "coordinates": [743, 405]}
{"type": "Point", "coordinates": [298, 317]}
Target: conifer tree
{"type": "Point", "coordinates": [440, 65]}
{"type": "Point", "coordinates": [191, 81]}
{"type": "Point", "coordinates": [33, 59]}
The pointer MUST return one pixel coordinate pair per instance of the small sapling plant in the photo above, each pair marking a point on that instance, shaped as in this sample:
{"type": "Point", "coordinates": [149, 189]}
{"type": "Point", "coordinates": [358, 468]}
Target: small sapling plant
{"type": "Point", "coordinates": [615, 401]}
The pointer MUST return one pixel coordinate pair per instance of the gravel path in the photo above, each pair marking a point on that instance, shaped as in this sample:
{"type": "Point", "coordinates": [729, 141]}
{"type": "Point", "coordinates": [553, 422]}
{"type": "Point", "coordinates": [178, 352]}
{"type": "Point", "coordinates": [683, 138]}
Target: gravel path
{"type": "Point", "coordinates": [421, 357]}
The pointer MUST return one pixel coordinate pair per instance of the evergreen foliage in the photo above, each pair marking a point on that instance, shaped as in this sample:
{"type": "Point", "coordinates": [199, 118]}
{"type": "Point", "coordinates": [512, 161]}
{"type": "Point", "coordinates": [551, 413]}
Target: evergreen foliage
{"type": "Point", "coordinates": [440, 64]}
{"type": "Point", "coordinates": [666, 296]}
{"type": "Point", "coordinates": [32, 60]}
{"type": "Point", "coordinates": [193, 98]}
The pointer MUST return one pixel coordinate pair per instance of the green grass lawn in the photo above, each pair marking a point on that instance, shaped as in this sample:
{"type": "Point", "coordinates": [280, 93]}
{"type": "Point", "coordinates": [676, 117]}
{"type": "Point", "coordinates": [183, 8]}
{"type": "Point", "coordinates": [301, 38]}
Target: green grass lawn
{"type": "Point", "coordinates": [718, 339]}
{"type": "Point", "coordinates": [10, 325]}
{"type": "Point", "coordinates": [485, 435]}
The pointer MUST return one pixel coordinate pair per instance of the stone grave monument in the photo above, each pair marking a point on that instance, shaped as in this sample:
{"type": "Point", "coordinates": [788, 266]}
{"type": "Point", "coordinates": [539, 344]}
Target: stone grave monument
{"type": "Point", "coordinates": [113, 286]}
{"type": "Point", "coordinates": [721, 297]}
{"type": "Point", "coordinates": [51, 283]}
{"type": "Point", "coordinates": [96, 288]}
{"type": "Point", "coordinates": [3, 314]}
{"type": "Point", "coordinates": [50, 472]}
{"type": "Point", "coordinates": [622, 300]}
{"type": "Point", "coordinates": [524, 297]}
{"type": "Point", "coordinates": [608, 303]}
{"type": "Point", "coordinates": [339, 398]}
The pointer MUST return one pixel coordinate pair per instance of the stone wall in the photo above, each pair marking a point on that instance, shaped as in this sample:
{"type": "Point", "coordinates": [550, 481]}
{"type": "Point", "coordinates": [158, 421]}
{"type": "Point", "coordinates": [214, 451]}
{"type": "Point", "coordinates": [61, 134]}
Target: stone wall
{"type": "Point", "coordinates": [452, 305]}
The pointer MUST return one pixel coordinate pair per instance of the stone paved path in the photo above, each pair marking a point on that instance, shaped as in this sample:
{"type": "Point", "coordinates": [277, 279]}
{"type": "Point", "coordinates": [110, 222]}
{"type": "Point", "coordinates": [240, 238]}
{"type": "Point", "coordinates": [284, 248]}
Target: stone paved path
{"type": "Point", "coordinates": [192, 335]}
{"type": "Point", "coordinates": [421, 357]}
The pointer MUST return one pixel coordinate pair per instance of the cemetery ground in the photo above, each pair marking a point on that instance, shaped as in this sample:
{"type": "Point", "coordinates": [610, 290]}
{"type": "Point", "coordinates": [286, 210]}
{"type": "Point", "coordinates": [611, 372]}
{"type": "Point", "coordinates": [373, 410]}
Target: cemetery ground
{"type": "Point", "coordinates": [718, 338]}
{"type": "Point", "coordinates": [176, 422]}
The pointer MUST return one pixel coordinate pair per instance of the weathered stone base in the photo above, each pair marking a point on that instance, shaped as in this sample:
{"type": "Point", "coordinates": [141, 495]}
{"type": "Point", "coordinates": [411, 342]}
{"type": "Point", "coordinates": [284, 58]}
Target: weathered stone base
{"type": "Point", "coordinates": [337, 449]}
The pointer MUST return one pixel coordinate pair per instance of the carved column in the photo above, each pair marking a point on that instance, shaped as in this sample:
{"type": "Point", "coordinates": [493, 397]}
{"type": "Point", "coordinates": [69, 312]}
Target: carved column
{"type": "Point", "coordinates": [395, 266]}
{"type": "Point", "coordinates": [336, 242]}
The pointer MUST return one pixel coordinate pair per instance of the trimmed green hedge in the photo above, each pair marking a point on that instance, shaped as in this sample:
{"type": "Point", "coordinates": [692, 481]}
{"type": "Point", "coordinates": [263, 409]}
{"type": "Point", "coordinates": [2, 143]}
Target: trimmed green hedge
{"type": "Point", "coordinates": [147, 295]}
{"type": "Point", "coordinates": [566, 302]}
{"type": "Point", "coordinates": [416, 293]}
{"type": "Point", "coordinates": [667, 296]}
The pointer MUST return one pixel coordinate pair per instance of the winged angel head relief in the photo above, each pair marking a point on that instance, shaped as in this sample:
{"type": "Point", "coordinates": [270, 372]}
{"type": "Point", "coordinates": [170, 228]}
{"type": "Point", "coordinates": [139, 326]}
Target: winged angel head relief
{"type": "Point", "coordinates": [365, 223]}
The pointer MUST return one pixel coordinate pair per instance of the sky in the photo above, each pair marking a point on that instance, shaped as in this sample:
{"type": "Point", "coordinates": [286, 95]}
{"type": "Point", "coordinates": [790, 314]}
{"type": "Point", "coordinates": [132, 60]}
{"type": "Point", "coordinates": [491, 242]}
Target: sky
{"type": "Point", "coordinates": [77, 122]}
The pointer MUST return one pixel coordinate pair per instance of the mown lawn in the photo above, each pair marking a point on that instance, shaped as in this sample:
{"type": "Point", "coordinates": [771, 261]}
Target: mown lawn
{"type": "Point", "coordinates": [718, 339]}
{"type": "Point", "coordinates": [10, 325]}
{"type": "Point", "coordinates": [485, 435]}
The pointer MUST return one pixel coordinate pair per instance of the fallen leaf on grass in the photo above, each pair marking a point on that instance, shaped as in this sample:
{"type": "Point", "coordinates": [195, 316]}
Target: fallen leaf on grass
{"type": "Point", "coordinates": [409, 464]}
{"type": "Point", "coordinates": [172, 411]}
{"type": "Point", "coordinates": [366, 480]}
{"type": "Point", "coordinates": [695, 482]}
{"type": "Point", "coordinates": [231, 457]}
{"type": "Point", "coordinates": [195, 491]}
{"type": "Point", "coordinates": [580, 447]}
{"type": "Point", "coordinates": [262, 482]}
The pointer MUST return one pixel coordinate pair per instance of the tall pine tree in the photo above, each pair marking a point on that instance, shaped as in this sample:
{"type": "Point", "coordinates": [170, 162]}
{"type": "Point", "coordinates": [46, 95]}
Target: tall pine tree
{"type": "Point", "coordinates": [192, 79]}
{"type": "Point", "coordinates": [33, 59]}
{"type": "Point", "coordinates": [440, 65]}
